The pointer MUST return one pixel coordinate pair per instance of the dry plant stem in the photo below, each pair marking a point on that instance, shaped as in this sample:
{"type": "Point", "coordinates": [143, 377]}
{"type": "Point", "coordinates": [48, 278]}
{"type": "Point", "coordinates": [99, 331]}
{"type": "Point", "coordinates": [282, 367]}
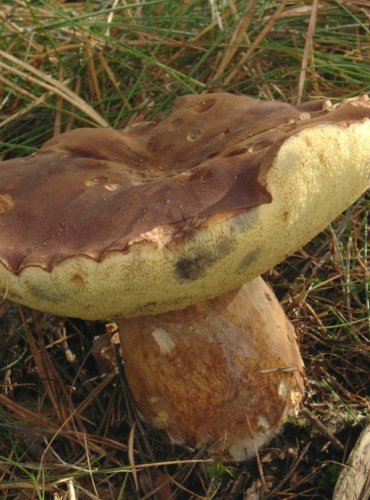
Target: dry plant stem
{"type": "Point", "coordinates": [51, 84]}
{"type": "Point", "coordinates": [321, 428]}
{"type": "Point", "coordinates": [74, 437]}
{"type": "Point", "coordinates": [225, 372]}
{"type": "Point", "coordinates": [307, 52]}
{"type": "Point", "coordinates": [37, 102]}
{"type": "Point", "coordinates": [58, 107]}
{"type": "Point", "coordinates": [334, 382]}
{"type": "Point", "coordinates": [256, 42]}
{"type": "Point", "coordinates": [53, 387]}
{"type": "Point", "coordinates": [289, 473]}
{"type": "Point", "coordinates": [236, 37]}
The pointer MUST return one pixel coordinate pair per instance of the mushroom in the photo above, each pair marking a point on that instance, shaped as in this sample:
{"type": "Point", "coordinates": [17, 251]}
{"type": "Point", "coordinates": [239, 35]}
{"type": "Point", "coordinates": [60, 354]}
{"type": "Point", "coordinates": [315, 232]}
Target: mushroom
{"type": "Point", "coordinates": [162, 216]}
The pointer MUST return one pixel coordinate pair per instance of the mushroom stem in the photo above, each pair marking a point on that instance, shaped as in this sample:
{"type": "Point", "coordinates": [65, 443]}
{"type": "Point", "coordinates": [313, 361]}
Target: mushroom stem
{"type": "Point", "coordinates": [226, 372]}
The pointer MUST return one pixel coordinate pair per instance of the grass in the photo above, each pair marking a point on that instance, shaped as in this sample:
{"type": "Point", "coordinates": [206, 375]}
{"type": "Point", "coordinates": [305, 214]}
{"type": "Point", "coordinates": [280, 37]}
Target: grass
{"type": "Point", "coordinates": [67, 430]}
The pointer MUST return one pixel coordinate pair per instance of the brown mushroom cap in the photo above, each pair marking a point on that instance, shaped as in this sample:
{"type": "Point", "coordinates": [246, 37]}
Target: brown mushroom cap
{"type": "Point", "coordinates": [226, 372]}
{"type": "Point", "coordinates": [102, 223]}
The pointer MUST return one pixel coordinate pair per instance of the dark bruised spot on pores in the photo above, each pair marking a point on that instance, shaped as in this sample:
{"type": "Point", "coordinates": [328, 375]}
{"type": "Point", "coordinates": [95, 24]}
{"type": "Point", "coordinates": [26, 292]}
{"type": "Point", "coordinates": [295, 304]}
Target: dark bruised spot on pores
{"type": "Point", "coordinates": [191, 268]}
{"type": "Point", "coordinates": [248, 259]}
{"type": "Point", "coordinates": [45, 294]}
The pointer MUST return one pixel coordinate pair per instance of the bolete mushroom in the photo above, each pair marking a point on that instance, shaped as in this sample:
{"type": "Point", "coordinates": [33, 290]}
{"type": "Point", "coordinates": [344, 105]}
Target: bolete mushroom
{"type": "Point", "coordinates": [102, 223]}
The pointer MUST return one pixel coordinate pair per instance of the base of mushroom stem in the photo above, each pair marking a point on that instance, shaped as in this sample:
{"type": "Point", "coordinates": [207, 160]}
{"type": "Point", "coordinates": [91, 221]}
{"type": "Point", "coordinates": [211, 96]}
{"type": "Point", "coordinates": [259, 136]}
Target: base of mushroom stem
{"type": "Point", "coordinates": [225, 373]}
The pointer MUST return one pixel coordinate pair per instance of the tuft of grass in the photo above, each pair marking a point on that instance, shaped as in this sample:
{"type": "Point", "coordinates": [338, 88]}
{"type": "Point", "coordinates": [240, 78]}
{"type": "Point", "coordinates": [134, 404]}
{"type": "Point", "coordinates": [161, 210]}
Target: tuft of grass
{"type": "Point", "coordinates": [67, 429]}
